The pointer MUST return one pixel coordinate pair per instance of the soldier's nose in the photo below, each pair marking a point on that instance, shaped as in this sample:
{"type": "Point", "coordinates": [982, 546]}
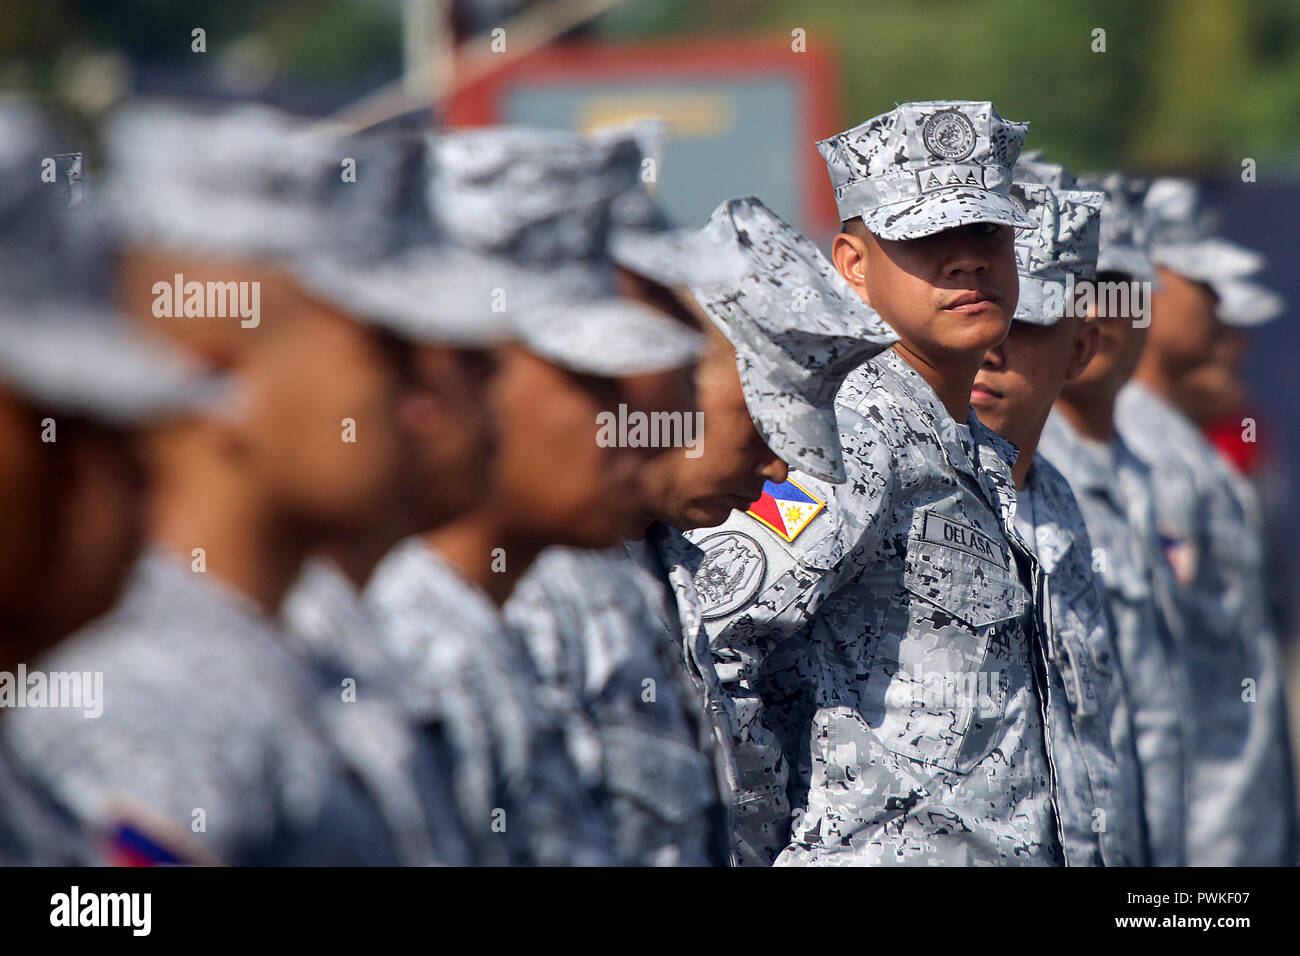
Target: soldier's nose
{"type": "Point", "coordinates": [775, 470]}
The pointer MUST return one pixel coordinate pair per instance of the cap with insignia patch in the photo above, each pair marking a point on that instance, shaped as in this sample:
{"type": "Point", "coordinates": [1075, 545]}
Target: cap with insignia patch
{"type": "Point", "coordinates": [798, 329]}
{"type": "Point", "coordinates": [922, 168]}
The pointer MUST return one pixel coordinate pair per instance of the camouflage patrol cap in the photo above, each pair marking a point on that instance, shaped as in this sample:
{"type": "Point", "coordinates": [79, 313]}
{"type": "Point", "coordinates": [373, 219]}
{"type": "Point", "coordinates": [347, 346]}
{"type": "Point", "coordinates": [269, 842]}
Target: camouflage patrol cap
{"type": "Point", "coordinates": [530, 211]}
{"type": "Point", "coordinates": [533, 196]}
{"type": "Point", "coordinates": [798, 329]}
{"type": "Point", "coordinates": [1183, 237]}
{"type": "Point", "coordinates": [386, 261]}
{"type": "Point", "coordinates": [1125, 245]}
{"type": "Point", "coordinates": [643, 238]}
{"type": "Point", "coordinates": [241, 181]}
{"type": "Point", "coordinates": [1032, 168]}
{"type": "Point", "coordinates": [925, 167]}
{"type": "Point", "coordinates": [344, 215]}
{"type": "Point", "coordinates": [1243, 303]}
{"type": "Point", "coordinates": [61, 347]}
{"type": "Point", "coordinates": [1060, 249]}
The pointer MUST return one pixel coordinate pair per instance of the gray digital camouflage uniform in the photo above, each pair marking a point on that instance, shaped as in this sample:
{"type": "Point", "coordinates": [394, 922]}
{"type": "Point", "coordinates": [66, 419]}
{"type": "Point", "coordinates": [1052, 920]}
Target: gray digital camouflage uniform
{"type": "Point", "coordinates": [35, 830]}
{"type": "Point", "coordinates": [405, 764]}
{"type": "Point", "coordinates": [208, 721]}
{"type": "Point", "coordinates": [594, 625]}
{"type": "Point", "coordinates": [798, 329]}
{"type": "Point", "coordinates": [520, 795]}
{"type": "Point", "coordinates": [892, 642]}
{"type": "Point", "coordinates": [1092, 738]}
{"type": "Point", "coordinates": [1241, 802]}
{"type": "Point", "coordinates": [1113, 489]}
{"type": "Point", "coordinates": [1099, 792]}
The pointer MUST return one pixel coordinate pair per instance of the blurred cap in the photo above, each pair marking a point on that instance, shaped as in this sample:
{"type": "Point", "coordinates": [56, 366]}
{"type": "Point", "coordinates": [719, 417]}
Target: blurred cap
{"type": "Point", "coordinates": [922, 168]}
{"type": "Point", "coordinates": [80, 362]}
{"type": "Point", "coordinates": [532, 196]}
{"type": "Point", "coordinates": [529, 212]}
{"type": "Point", "coordinates": [1125, 245]}
{"type": "Point", "coordinates": [346, 216]}
{"type": "Point", "coordinates": [1061, 248]}
{"type": "Point", "coordinates": [387, 262]}
{"type": "Point", "coordinates": [798, 329]}
{"type": "Point", "coordinates": [61, 347]}
{"type": "Point", "coordinates": [244, 181]}
{"type": "Point", "coordinates": [1243, 303]}
{"type": "Point", "coordinates": [1183, 237]}
{"type": "Point", "coordinates": [1032, 168]}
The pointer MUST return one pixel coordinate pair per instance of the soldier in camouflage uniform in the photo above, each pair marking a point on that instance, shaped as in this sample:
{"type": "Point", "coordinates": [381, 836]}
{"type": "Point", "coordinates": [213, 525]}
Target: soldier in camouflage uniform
{"type": "Point", "coordinates": [214, 734]}
{"type": "Point", "coordinates": [439, 596]}
{"type": "Point", "coordinates": [1241, 806]}
{"type": "Point", "coordinates": [592, 620]}
{"type": "Point", "coordinates": [887, 627]}
{"type": "Point", "coordinates": [403, 279]}
{"type": "Point", "coordinates": [1051, 342]}
{"type": "Point", "coordinates": [75, 388]}
{"type": "Point", "coordinates": [1113, 489]}
{"type": "Point", "coordinates": [786, 334]}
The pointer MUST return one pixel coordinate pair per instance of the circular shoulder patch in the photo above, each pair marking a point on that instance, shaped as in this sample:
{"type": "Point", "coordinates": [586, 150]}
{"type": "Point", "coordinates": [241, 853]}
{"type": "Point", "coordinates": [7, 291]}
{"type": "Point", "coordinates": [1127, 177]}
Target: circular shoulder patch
{"type": "Point", "coordinates": [730, 574]}
{"type": "Point", "coordinates": [949, 134]}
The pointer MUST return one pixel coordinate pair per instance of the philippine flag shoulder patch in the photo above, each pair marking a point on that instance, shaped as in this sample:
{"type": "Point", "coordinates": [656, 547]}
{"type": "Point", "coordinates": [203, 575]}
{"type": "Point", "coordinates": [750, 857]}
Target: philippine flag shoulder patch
{"type": "Point", "coordinates": [786, 508]}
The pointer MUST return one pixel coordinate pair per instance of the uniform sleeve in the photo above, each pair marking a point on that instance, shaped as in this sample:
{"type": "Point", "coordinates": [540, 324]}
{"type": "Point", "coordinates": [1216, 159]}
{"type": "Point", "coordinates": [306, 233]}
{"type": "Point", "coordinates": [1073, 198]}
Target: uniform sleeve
{"type": "Point", "coordinates": [788, 580]}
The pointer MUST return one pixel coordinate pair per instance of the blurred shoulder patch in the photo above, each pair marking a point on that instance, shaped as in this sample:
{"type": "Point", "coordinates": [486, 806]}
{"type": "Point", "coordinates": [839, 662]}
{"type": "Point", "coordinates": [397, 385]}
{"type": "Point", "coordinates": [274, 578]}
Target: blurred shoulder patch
{"type": "Point", "coordinates": [730, 574]}
{"type": "Point", "coordinates": [138, 835]}
{"type": "Point", "coordinates": [786, 508]}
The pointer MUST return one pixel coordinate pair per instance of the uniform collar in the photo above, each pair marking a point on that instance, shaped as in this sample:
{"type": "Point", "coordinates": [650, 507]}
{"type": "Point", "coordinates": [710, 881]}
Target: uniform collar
{"type": "Point", "coordinates": [1089, 464]}
{"type": "Point", "coordinates": [902, 378]}
{"type": "Point", "coordinates": [1147, 413]}
{"type": "Point", "coordinates": [435, 586]}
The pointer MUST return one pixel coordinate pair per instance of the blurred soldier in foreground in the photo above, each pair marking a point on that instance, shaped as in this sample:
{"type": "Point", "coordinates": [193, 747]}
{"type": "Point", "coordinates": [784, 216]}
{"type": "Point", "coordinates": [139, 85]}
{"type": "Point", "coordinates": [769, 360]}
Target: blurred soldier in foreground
{"type": "Point", "coordinates": [75, 387]}
{"type": "Point", "coordinates": [396, 270]}
{"type": "Point", "coordinates": [1050, 342]}
{"type": "Point", "coordinates": [542, 259]}
{"type": "Point", "coordinates": [1241, 800]}
{"type": "Point", "coordinates": [591, 619]}
{"type": "Point", "coordinates": [213, 733]}
{"type": "Point", "coordinates": [1114, 492]}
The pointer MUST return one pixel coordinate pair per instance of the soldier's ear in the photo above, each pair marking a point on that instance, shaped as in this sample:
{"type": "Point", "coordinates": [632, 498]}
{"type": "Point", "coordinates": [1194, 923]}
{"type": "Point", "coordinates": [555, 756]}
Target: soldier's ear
{"type": "Point", "coordinates": [849, 253]}
{"type": "Point", "coordinates": [1086, 341]}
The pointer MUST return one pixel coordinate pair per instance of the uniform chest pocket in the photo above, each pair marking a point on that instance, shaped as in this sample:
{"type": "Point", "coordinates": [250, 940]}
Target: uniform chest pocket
{"type": "Point", "coordinates": [957, 658]}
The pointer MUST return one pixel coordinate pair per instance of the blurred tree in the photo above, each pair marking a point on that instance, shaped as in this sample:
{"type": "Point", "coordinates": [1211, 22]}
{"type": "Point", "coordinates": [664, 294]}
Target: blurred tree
{"type": "Point", "coordinates": [1183, 85]}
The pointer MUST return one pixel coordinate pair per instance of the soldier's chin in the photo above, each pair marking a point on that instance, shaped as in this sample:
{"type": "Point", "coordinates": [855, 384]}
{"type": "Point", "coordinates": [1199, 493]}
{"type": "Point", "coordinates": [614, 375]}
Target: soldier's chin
{"type": "Point", "coordinates": [709, 512]}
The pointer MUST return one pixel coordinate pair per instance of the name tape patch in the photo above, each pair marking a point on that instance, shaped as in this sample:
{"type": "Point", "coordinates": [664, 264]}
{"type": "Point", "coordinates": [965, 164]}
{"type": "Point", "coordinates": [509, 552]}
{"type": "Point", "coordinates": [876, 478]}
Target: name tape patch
{"type": "Point", "coordinates": [961, 537]}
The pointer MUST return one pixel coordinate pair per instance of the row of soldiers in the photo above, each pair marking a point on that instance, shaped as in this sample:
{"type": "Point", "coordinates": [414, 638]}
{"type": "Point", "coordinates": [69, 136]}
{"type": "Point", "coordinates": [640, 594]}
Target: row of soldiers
{"type": "Point", "coordinates": [309, 458]}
